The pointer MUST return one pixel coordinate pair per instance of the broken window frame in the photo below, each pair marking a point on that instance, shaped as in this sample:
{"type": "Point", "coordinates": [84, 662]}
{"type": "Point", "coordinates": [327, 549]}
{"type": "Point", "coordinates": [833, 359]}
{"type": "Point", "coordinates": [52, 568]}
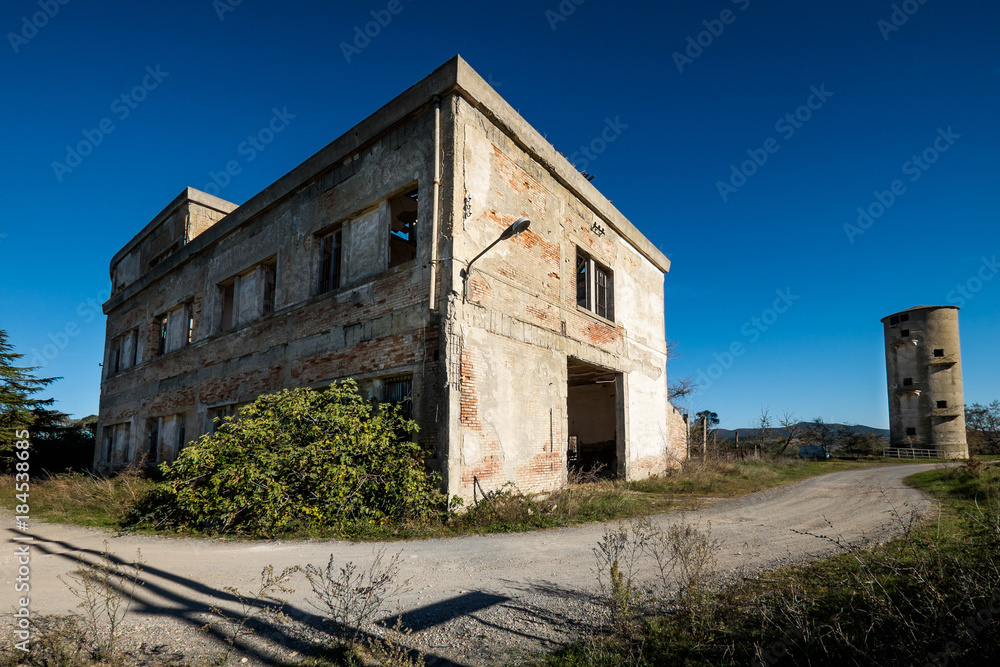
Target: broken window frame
{"type": "Point", "coordinates": [162, 322]}
{"type": "Point", "coordinates": [409, 238]}
{"type": "Point", "coordinates": [228, 295]}
{"type": "Point", "coordinates": [331, 263]}
{"type": "Point", "coordinates": [595, 292]}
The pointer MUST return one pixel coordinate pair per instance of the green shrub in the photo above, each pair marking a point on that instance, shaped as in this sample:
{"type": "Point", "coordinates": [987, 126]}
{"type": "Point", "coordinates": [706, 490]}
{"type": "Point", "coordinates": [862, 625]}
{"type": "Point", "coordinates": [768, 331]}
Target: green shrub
{"type": "Point", "coordinates": [298, 459]}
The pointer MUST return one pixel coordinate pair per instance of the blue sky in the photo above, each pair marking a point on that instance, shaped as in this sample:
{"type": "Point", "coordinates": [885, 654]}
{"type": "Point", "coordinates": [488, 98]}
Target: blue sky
{"type": "Point", "coordinates": [749, 134]}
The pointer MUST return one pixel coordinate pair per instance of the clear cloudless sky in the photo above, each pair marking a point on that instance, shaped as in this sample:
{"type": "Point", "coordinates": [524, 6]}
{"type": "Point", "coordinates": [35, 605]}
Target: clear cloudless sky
{"type": "Point", "coordinates": [888, 92]}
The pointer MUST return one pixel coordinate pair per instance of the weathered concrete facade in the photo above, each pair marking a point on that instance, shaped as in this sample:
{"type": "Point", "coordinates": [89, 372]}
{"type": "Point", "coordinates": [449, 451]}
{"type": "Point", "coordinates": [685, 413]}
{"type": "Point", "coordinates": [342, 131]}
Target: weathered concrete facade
{"type": "Point", "coordinates": [924, 371]}
{"type": "Point", "coordinates": [352, 265]}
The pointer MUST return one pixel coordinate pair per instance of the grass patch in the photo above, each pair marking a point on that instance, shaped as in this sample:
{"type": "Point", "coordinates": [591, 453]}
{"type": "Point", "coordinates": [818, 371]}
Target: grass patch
{"type": "Point", "coordinates": [79, 498]}
{"type": "Point", "coordinates": [927, 597]}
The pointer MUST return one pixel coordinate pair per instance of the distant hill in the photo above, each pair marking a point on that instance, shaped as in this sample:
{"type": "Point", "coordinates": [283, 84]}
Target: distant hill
{"type": "Point", "coordinates": [748, 433]}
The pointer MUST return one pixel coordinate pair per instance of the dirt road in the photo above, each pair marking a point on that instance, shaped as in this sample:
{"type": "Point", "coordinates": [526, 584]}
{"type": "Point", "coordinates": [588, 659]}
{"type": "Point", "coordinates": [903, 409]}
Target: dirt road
{"type": "Point", "coordinates": [473, 600]}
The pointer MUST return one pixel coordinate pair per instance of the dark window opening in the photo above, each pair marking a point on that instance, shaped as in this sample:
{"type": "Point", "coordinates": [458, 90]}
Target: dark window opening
{"type": "Point", "coordinates": [331, 249]}
{"type": "Point", "coordinates": [228, 306]}
{"type": "Point", "coordinates": [911, 430]}
{"type": "Point", "coordinates": [134, 337]}
{"type": "Point", "coordinates": [269, 273]}
{"type": "Point", "coordinates": [904, 332]}
{"type": "Point", "coordinates": [400, 392]}
{"type": "Point", "coordinates": [907, 382]}
{"type": "Point", "coordinates": [181, 439]}
{"type": "Point", "coordinates": [116, 354]}
{"type": "Point", "coordinates": [942, 404]}
{"type": "Point", "coordinates": [403, 228]}
{"type": "Point", "coordinates": [894, 320]}
{"type": "Point", "coordinates": [582, 280]}
{"type": "Point", "coordinates": [153, 438]}
{"type": "Point", "coordinates": [594, 287]}
{"type": "Point", "coordinates": [938, 352]}
{"type": "Point", "coordinates": [905, 317]}
{"type": "Point", "coordinates": [161, 341]}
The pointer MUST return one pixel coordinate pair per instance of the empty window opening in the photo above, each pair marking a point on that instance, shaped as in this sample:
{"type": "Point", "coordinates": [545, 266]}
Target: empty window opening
{"type": "Point", "coordinates": [939, 352]}
{"type": "Point", "coordinates": [269, 274]}
{"type": "Point", "coordinates": [905, 317]}
{"type": "Point", "coordinates": [592, 407]}
{"type": "Point", "coordinates": [942, 404]}
{"type": "Point", "coordinates": [910, 430]}
{"type": "Point", "coordinates": [894, 320]}
{"type": "Point", "coordinates": [219, 414]}
{"type": "Point", "coordinates": [228, 293]}
{"type": "Point", "coordinates": [153, 438]}
{"type": "Point", "coordinates": [907, 382]}
{"type": "Point", "coordinates": [594, 286]}
{"type": "Point", "coordinates": [161, 335]}
{"type": "Point", "coordinates": [399, 391]}
{"type": "Point", "coordinates": [116, 356]}
{"type": "Point", "coordinates": [904, 333]}
{"type": "Point", "coordinates": [331, 252]}
{"type": "Point", "coordinates": [403, 228]}
{"type": "Point", "coordinates": [133, 337]}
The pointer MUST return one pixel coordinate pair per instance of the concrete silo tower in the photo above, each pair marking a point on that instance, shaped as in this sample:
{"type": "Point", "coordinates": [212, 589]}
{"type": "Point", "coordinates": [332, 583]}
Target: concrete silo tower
{"type": "Point", "coordinates": [924, 371]}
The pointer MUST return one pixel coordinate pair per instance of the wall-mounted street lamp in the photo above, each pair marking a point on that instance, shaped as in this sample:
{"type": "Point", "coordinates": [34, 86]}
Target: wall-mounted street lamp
{"type": "Point", "coordinates": [515, 229]}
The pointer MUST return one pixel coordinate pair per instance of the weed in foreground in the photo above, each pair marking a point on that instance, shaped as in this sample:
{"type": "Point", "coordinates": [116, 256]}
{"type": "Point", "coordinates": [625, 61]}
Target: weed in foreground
{"type": "Point", "coordinates": [105, 588]}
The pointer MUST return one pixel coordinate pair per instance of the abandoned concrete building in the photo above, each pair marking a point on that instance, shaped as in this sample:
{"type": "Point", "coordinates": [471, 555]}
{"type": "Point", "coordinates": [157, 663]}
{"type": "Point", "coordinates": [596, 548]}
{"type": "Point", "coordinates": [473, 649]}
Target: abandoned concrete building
{"type": "Point", "coordinates": [924, 369]}
{"type": "Point", "coordinates": [548, 350]}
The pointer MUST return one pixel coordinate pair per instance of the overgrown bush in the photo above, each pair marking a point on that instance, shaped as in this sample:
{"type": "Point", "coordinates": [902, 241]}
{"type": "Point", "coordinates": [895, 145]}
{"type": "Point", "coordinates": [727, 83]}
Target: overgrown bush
{"type": "Point", "coordinates": [298, 459]}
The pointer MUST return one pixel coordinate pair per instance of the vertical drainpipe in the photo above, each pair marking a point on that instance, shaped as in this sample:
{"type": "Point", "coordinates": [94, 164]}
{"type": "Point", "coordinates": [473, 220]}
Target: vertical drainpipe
{"type": "Point", "coordinates": [437, 191]}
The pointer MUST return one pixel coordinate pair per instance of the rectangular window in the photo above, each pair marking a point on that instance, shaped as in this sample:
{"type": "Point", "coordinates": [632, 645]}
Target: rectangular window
{"type": "Point", "coordinates": [594, 286]}
{"type": "Point", "coordinates": [331, 249]}
{"type": "Point", "coordinates": [403, 228]}
{"type": "Point", "coordinates": [134, 338]}
{"type": "Point", "coordinates": [161, 333]}
{"type": "Point", "coordinates": [905, 317]}
{"type": "Point", "coordinates": [907, 382]}
{"type": "Point", "coordinates": [894, 320]}
{"type": "Point", "coordinates": [269, 274]}
{"type": "Point", "coordinates": [582, 280]}
{"type": "Point", "coordinates": [228, 294]}
{"type": "Point", "coordinates": [400, 391]}
{"type": "Point", "coordinates": [218, 414]}
{"type": "Point", "coordinates": [911, 430]}
{"type": "Point", "coordinates": [109, 443]}
{"type": "Point", "coordinates": [189, 337]}
{"type": "Point", "coordinates": [153, 438]}
{"type": "Point", "coordinates": [938, 352]}
{"type": "Point", "coordinates": [116, 356]}
{"type": "Point", "coordinates": [904, 333]}
{"type": "Point", "coordinates": [942, 404]}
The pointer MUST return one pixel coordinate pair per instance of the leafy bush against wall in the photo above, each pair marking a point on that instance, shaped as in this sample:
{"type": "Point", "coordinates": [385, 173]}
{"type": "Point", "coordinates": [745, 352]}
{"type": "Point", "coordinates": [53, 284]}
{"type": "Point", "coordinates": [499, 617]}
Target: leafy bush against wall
{"type": "Point", "coordinates": [298, 458]}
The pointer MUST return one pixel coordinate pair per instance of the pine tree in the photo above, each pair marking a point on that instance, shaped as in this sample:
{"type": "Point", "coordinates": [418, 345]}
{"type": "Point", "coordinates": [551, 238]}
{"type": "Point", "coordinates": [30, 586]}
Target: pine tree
{"type": "Point", "coordinates": [19, 408]}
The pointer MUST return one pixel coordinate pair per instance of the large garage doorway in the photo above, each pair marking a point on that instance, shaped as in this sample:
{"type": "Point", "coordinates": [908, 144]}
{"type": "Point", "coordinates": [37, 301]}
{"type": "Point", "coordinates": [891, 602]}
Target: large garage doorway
{"type": "Point", "coordinates": [593, 400]}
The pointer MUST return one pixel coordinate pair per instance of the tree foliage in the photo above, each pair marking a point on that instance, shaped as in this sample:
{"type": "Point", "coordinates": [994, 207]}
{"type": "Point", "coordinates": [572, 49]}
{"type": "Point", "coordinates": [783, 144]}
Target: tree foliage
{"type": "Point", "coordinates": [298, 459]}
{"type": "Point", "coordinates": [982, 426]}
{"type": "Point", "coordinates": [19, 407]}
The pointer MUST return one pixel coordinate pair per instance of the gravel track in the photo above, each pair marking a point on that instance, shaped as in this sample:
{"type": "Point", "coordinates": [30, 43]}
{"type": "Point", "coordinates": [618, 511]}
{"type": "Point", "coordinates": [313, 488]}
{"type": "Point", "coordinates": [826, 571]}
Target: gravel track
{"type": "Point", "coordinates": [473, 600]}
